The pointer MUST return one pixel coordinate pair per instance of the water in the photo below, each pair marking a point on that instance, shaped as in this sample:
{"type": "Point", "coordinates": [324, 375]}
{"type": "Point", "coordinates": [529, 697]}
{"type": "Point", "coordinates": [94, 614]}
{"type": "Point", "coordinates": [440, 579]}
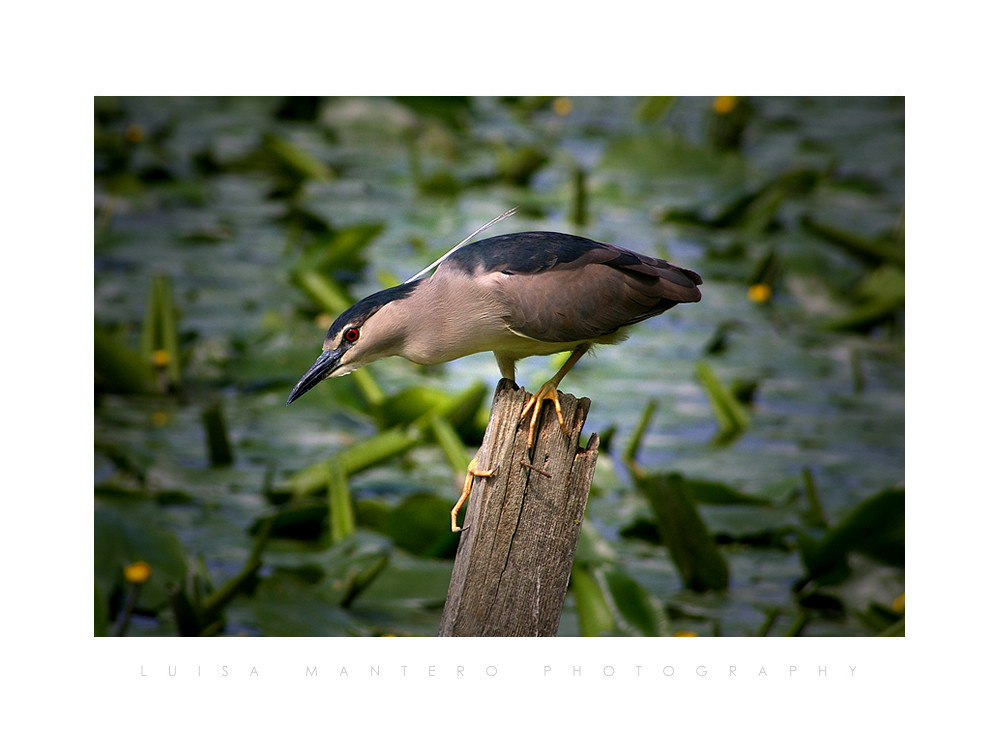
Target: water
{"type": "Point", "coordinates": [249, 332]}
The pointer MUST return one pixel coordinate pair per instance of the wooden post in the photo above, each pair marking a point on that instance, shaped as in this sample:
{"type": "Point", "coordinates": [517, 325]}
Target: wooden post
{"type": "Point", "coordinates": [514, 559]}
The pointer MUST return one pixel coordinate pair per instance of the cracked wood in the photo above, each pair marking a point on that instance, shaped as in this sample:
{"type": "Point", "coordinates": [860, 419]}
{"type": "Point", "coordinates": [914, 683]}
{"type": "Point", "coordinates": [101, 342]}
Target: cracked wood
{"type": "Point", "coordinates": [513, 563]}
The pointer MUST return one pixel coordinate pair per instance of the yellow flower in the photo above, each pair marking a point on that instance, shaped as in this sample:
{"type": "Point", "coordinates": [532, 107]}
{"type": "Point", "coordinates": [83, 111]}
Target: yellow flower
{"type": "Point", "coordinates": [759, 293]}
{"type": "Point", "coordinates": [899, 605]}
{"type": "Point", "coordinates": [161, 358]}
{"type": "Point", "coordinates": [686, 633]}
{"type": "Point", "coordinates": [134, 133]}
{"type": "Point", "coordinates": [160, 418]}
{"type": "Point", "coordinates": [138, 572]}
{"type": "Point", "coordinates": [562, 106]}
{"type": "Point", "coordinates": [724, 104]}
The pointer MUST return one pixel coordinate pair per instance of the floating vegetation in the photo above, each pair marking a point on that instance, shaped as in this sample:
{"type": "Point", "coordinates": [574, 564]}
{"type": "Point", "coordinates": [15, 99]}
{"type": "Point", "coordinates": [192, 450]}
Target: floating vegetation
{"type": "Point", "coordinates": [765, 496]}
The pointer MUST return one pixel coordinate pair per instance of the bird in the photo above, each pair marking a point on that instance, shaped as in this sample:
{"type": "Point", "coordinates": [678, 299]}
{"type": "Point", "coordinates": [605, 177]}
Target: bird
{"type": "Point", "coordinates": [517, 295]}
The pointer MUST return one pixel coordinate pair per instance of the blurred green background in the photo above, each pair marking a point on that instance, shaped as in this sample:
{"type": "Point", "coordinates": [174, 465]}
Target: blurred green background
{"type": "Point", "coordinates": [751, 471]}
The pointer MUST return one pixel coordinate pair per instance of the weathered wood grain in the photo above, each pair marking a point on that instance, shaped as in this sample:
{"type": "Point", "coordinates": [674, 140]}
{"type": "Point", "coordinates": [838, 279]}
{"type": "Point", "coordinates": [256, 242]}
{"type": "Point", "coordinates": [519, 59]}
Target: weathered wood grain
{"type": "Point", "coordinates": [513, 563]}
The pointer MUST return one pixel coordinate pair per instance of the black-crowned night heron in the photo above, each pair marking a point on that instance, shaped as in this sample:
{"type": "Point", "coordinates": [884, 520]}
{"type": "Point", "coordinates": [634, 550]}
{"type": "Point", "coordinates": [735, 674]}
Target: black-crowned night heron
{"type": "Point", "coordinates": [516, 295]}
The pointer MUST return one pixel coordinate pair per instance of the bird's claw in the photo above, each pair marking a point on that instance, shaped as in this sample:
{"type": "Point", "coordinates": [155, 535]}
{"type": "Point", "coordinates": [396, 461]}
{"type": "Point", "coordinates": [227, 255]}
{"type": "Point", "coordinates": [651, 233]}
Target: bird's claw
{"type": "Point", "coordinates": [473, 471]}
{"type": "Point", "coordinates": [548, 391]}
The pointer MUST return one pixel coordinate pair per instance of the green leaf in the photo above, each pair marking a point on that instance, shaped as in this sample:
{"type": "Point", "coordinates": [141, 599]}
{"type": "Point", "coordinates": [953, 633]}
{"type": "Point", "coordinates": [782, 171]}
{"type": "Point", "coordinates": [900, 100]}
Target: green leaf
{"type": "Point", "coordinates": [361, 576]}
{"type": "Point", "coordinates": [100, 613]}
{"type": "Point", "coordinates": [718, 493]}
{"type": "Point", "coordinates": [371, 513]}
{"type": "Point", "coordinates": [739, 516]}
{"type": "Point", "coordinates": [420, 525]}
{"type": "Point", "coordinates": [121, 539]}
{"type": "Point", "coordinates": [881, 293]}
{"type": "Point", "coordinates": [874, 528]}
{"type": "Point", "coordinates": [409, 581]}
{"type": "Point", "coordinates": [327, 250]}
{"type": "Point", "coordinates": [766, 270]}
{"type": "Point", "coordinates": [451, 445]}
{"type": "Point", "coordinates": [119, 369]}
{"type": "Point", "coordinates": [651, 108]}
{"type": "Point", "coordinates": [295, 160]}
{"type": "Point", "coordinates": [757, 524]}
{"type": "Point", "coordinates": [592, 549]}
{"type": "Point", "coordinates": [220, 453]}
{"type": "Point", "coordinates": [285, 605]}
{"type": "Point", "coordinates": [868, 249]}
{"type": "Point", "coordinates": [341, 508]}
{"type": "Point", "coordinates": [159, 329]}
{"type": "Point", "coordinates": [187, 620]}
{"type": "Point", "coordinates": [408, 405]}
{"type": "Point", "coordinates": [730, 414]}
{"type": "Point", "coordinates": [897, 629]}
{"type": "Point", "coordinates": [666, 153]}
{"type": "Point", "coordinates": [343, 250]}
{"type": "Point", "coordinates": [324, 291]}
{"type": "Point", "coordinates": [885, 281]}
{"type": "Point", "coordinates": [683, 532]}
{"type": "Point", "coordinates": [519, 165]}
{"type": "Point", "coordinates": [297, 521]}
{"type": "Point", "coordinates": [212, 605]}
{"type": "Point", "coordinates": [879, 618]}
{"type": "Point", "coordinates": [868, 314]}
{"type": "Point", "coordinates": [379, 448]}
{"type": "Point", "coordinates": [635, 610]}
{"type": "Point", "coordinates": [762, 211]}
{"type": "Point", "coordinates": [391, 443]}
{"type": "Point", "coordinates": [632, 449]}
{"type": "Point", "coordinates": [454, 111]}
{"type": "Point", "coordinates": [149, 337]}
{"type": "Point", "coordinates": [814, 515]}
{"type": "Point", "coordinates": [169, 339]}
{"type": "Point", "coordinates": [808, 543]}
{"type": "Point", "coordinates": [593, 613]}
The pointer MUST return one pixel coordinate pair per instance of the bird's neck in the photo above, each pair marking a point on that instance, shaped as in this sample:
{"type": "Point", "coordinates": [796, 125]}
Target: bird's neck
{"type": "Point", "coordinates": [444, 320]}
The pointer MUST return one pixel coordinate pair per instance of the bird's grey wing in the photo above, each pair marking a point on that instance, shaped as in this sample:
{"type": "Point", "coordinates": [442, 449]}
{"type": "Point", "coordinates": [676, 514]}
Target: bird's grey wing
{"type": "Point", "coordinates": [557, 287]}
{"type": "Point", "coordinates": [598, 293]}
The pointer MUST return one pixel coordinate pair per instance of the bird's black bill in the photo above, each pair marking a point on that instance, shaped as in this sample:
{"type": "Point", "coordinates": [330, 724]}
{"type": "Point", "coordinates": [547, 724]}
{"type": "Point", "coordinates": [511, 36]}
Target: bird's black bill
{"type": "Point", "coordinates": [320, 370]}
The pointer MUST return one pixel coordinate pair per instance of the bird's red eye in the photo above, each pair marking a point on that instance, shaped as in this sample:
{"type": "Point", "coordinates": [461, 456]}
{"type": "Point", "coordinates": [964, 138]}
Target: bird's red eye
{"type": "Point", "coordinates": [352, 334]}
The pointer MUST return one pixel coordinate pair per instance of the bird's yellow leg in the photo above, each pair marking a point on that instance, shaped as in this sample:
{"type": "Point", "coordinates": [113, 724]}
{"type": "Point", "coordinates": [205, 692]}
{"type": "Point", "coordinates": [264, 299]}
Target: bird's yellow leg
{"type": "Point", "coordinates": [549, 391]}
{"type": "Point", "coordinates": [473, 471]}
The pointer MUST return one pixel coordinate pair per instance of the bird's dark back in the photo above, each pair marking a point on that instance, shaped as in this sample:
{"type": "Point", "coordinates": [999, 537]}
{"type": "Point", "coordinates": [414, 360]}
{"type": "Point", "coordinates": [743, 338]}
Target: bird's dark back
{"type": "Point", "coordinates": [534, 252]}
{"type": "Point", "coordinates": [522, 253]}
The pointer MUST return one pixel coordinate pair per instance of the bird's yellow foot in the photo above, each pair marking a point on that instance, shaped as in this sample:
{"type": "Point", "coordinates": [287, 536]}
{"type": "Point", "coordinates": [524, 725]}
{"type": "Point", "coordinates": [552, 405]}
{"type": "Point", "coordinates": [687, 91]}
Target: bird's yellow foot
{"type": "Point", "coordinates": [546, 392]}
{"type": "Point", "coordinates": [473, 471]}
